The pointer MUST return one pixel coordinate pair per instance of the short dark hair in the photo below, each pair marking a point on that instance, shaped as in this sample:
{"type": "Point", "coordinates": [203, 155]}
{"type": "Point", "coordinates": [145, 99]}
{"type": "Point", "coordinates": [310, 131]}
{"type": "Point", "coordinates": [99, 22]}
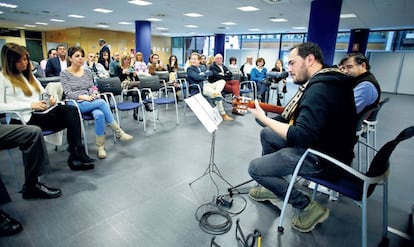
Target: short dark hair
{"type": "Point", "coordinates": [50, 51]}
{"type": "Point", "coordinates": [260, 59]}
{"type": "Point", "coordinates": [359, 58]}
{"type": "Point", "coordinates": [305, 49]}
{"type": "Point", "coordinates": [231, 59]}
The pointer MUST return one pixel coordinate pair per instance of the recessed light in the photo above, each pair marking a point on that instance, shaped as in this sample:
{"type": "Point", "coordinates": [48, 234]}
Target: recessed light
{"type": "Point", "coordinates": [42, 23]}
{"type": "Point", "coordinates": [229, 23]}
{"type": "Point", "coordinates": [254, 29]}
{"type": "Point", "coordinates": [29, 25]}
{"type": "Point", "coordinates": [299, 28]}
{"type": "Point", "coordinates": [154, 19]}
{"type": "Point", "coordinates": [247, 8]}
{"type": "Point", "coordinates": [161, 28]}
{"type": "Point", "coordinates": [106, 11]}
{"type": "Point", "coordinates": [77, 16]}
{"type": "Point", "coordinates": [102, 25]}
{"type": "Point", "coordinates": [1, 12]}
{"type": "Point", "coordinates": [193, 14]}
{"type": "Point", "coordinates": [124, 23]}
{"type": "Point", "coordinates": [8, 5]}
{"type": "Point", "coordinates": [57, 20]}
{"type": "Point", "coordinates": [139, 2]}
{"type": "Point", "coordinates": [350, 15]}
{"type": "Point", "coordinates": [191, 26]}
{"type": "Point", "coordinates": [277, 19]}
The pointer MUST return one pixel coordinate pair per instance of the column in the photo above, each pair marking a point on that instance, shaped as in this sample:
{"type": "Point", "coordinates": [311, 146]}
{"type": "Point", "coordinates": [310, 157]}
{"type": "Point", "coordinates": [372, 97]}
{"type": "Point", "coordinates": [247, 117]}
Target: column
{"type": "Point", "coordinates": [323, 26]}
{"type": "Point", "coordinates": [358, 41]}
{"type": "Point", "coordinates": [219, 41]}
{"type": "Point", "coordinates": [143, 38]}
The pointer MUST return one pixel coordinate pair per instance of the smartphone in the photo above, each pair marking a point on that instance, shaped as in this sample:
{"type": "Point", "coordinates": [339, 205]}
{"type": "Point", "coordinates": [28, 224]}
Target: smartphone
{"type": "Point", "coordinates": [46, 97]}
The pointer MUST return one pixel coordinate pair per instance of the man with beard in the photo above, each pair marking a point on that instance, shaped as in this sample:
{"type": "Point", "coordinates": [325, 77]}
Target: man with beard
{"type": "Point", "coordinates": [321, 116]}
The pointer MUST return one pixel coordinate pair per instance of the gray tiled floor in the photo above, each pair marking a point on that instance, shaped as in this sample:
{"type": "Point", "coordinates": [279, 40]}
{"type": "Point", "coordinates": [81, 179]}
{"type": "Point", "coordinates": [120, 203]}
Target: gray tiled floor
{"type": "Point", "coordinates": [140, 194]}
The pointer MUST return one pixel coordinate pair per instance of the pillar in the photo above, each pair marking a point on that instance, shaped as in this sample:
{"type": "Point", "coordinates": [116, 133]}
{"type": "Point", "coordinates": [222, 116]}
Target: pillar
{"type": "Point", "coordinates": [219, 42]}
{"type": "Point", "coordinates": [143, 38]}
{"type": "Point", "coordinates": [323, 26]}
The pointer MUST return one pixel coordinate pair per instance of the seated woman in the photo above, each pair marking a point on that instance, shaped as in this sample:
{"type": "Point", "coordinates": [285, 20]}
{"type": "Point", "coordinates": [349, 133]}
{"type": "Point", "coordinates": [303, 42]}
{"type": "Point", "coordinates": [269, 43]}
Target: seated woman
{"type": "Point", "coordinates": [22, 93]}
{"type": "Point", "coordinates": [258, 74]}
{"type": "Point", "coordinates": [281, 83]}
{"type": "Point", "coordinates": [197, 74]}
{"type": "Point", "coordinates": [76, 82]}
{"type": "Point", "coordinates": [126, 72]}
{"type": "Point", "coordinates": [140, 66]}
{"type": "Point", "coordinates": [172, 68]}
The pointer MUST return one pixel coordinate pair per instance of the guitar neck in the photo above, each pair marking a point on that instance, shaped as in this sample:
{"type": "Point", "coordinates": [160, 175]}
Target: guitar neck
{"type": "Point", "coordinates": [268, 107]}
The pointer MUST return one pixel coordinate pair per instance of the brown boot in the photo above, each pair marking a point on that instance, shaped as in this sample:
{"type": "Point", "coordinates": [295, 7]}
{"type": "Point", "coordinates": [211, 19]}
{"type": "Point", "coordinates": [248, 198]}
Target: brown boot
{"type": "Point", "coordinates": [100, 144]}
{"type": "Point", "coordinates": [226, 117]}
{"type": "Point", "coordinates": [120, 134]}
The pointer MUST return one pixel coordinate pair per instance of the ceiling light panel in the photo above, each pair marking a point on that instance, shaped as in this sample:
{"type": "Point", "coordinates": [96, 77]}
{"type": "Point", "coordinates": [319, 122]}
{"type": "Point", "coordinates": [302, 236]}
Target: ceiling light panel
{"type": "Point", "coordinates": [247, 8]}
{"type": "Point", "coordinates": [229, 23]}
{"type": "Point", "coordinates": [193, 14]}
{"type": "Point", "coordinates": [350, 15]}
{"type": "Point", "coordinates": [8, 5]}
{"type": "Point", "coordinates": [105, 11]}
{"type": "Point", "coordinates": [77, 16]}
{"type": "Point", "coordinates": [140, 2]}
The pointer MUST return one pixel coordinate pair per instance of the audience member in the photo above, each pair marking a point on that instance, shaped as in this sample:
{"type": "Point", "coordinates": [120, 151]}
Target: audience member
{"type": "Point", "coordinates": [126, 72]}
{"type": "Point", "coordinates": [114, 64]}
{"type": "Point", "coordinates": [233, 65]}
{"type": "Point", "coordinates": [103, 48]}
{"type": "Point", "coordinates": [105, 60]}
{"type": "Point", "coordinates": [140, 66]}
{"type": "Point", "coordinates": [367, 91]}
{"type": "Point", "coordinates": [172, 68]}
{"type": "Point", "coordinates": [98, 70]}
{"type": "Point", "coordinates": [203, 61]}
{"type": "Point", "coordinates": [29, 139]}
{"type": "Point", "coordinates": [281, 83]}
{"type": "Point", "coordinates": [246, 68]}
{"type": "Point", "coordinates": [56, 64]}
{"type": "Point", "coordinates": [77, 82]}
{"type": "Point", "coordinates": [258, 74]}
{"type": "Point", "coordinates": [51, 53]}
{"type": "Point", "coordinates": [221, 72]}
{"type": "Point", "coordinates": [23, 93]}
{"type": "Point", "coordinates": [196, 74]}
{"type": "Point", "coordinates": [154, 64]}
{"type": "Point", "coordinates": [323, 105]}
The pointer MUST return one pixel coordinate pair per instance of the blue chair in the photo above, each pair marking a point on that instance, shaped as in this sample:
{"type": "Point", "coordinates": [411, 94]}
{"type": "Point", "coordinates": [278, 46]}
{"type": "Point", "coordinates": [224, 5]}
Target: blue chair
{"type": "Point", "coordinates": [158, 94]}
{"type": "Point", "coordinates": [354, 184]}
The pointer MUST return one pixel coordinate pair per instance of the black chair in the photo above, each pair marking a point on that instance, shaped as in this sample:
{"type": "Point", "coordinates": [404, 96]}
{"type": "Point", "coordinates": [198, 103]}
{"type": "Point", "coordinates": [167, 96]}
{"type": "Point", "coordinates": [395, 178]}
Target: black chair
{"type": "Point", "coordinates": [45, 80]}
{"type": "Point", "coordinates": [163, 75]}
{"type": "Point", "coordinates": [354, 184]}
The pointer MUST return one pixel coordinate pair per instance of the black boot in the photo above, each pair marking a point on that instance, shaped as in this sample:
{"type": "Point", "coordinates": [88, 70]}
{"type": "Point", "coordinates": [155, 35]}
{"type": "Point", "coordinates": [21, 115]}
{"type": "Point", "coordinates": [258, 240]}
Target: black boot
{"type": "Point", "coordinates": [79, 154]}
{"type": "Point", "coordinates": [148, 107]}
{"type": "Point", "coordinates": [77, 165]}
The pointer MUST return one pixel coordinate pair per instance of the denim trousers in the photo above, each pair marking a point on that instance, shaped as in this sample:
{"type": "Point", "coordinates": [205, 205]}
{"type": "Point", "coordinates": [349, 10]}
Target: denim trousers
{"type": "Point", "coordinates": [279, 161]}
{"type": "Point", "coordinates": [100, 112]}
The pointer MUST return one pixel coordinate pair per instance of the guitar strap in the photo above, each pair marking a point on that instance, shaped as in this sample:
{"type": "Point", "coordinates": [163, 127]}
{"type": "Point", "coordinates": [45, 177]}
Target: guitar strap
{"type": "Point", "coordinates": [291, 106]}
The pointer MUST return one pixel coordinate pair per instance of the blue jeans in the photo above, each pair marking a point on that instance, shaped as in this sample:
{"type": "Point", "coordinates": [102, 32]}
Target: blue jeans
{"type": "Point", "coordinates": [278, 161]}
{"type": "Point", "coordinates": [100, 112]}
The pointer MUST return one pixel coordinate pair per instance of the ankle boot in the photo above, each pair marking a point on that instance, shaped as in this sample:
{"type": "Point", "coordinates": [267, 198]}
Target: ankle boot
{"type": "Point", "coordinates": [79, 154]}
{"type": "Point", "coordinates": [120, 134]}
{"type": "Point", "coordinates": [100, 144]}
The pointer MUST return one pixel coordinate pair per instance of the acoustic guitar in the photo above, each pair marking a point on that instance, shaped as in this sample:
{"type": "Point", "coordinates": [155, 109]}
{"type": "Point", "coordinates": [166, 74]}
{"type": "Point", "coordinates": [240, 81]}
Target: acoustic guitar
{"type": "Point", "coordinates": [242, 103]}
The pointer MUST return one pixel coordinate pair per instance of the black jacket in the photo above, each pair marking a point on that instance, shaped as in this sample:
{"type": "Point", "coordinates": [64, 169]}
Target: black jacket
{"type": "Point", "coordinates": [325, 118]}
{"type": "Point", "coordinates": [216, 73]}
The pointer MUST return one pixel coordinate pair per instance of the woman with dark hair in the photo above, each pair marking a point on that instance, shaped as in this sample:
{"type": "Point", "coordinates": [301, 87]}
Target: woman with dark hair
{"type": "Point", "coordinates": [258, 74]}
{"type": "Point", "coordinates": [105, 60]}
{"type": "Point", "coordinates": [77, 82]}
{"type": "Point", "coordinates": [23, 93]}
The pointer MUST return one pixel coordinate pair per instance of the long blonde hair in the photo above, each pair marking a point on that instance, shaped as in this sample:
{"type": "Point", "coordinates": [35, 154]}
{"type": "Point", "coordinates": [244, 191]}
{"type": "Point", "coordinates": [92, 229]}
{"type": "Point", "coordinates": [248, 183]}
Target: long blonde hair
{"type": "Point", "coordinates": [12, 53]}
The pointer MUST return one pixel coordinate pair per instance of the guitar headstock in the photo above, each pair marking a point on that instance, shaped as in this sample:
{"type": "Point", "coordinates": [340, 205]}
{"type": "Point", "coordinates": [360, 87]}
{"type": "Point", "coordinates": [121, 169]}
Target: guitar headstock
{"type": "Point", "coordinates": [241, 104]}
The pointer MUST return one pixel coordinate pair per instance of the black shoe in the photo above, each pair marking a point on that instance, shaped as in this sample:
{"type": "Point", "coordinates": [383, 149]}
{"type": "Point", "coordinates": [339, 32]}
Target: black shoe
{"type": "Point", "coordinates": [8, 225]}
{"type": "Point", "coordinates": [40, 191]}
{"type": "Point", "coordinates": [79, 154]}
{"type": "Point", "coordinates": [148, 107]}
{"type": "Point", "coordinates": [76, 165]}
{"type": "Point", "coordinates": [135, 116]}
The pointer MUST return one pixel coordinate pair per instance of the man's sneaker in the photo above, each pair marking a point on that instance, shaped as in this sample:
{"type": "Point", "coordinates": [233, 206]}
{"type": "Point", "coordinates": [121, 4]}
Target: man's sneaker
{"type": "Point", "coordinates": [262, 194]}
{"type": "Point", "coordinates": [309, 217]}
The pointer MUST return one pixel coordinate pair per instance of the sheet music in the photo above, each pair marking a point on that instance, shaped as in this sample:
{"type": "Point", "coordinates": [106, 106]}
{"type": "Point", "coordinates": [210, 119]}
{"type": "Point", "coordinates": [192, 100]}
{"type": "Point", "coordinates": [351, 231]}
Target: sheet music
{"type": "Point", "coordinates": [208, 116]}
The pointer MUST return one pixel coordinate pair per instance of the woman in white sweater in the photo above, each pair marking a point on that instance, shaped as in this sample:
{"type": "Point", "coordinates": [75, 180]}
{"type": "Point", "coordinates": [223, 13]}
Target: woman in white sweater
{"type": "Point", "coordinates": [20, 91]}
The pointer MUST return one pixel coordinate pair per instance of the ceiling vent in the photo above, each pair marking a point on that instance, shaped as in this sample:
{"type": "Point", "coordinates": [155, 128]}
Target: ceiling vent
{"type": "Point", "coordinates": [273, 1]}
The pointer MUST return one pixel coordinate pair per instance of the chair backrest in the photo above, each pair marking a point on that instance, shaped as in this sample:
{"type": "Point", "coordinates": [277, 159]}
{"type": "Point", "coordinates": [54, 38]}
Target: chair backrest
{"type": "Point", "coordinates": [380, 163]}
{"type": "Point", "coordinates": [151, 82]}
{"type": "Point", "coordinates": [236, 75]}
{"type": "Point", "coordinates": [374, 114]}
{"type": "Point", "coordinates": [45, 80]}
{"type": "Point", "coordinates": [110, 85]}
{"type": "Point", "coordinates": [182, 74]}
{"type": "Point", "coordinates": [362, 118]}
{"type": "Point", "coordinates": [163, 75]}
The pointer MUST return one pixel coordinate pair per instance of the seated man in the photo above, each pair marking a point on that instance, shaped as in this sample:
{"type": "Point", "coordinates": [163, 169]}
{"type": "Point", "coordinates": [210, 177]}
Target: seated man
{"type": "Point", "coordinates": [321, 116]}
{"type": "Point", "coordinates": [35, 160]}
{"type": "Point", "coordinates": [367, 90]}
{"type": "Point", "coordinates": [221, 72]}
{"type": "Point", "coordinates": [197, 75]}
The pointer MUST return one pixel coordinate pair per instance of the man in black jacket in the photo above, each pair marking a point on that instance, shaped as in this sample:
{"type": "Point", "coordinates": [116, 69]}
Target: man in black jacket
{"type": "Point", "coordinates": [324, 118]}
{"type": "Point", "coordinates": [56, 64]}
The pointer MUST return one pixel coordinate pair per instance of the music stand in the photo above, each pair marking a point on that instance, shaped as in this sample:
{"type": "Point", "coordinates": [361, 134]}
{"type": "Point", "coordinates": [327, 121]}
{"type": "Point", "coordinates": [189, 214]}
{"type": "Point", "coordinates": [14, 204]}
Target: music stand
{"type": "Point", "coordinates": [211, 119]}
